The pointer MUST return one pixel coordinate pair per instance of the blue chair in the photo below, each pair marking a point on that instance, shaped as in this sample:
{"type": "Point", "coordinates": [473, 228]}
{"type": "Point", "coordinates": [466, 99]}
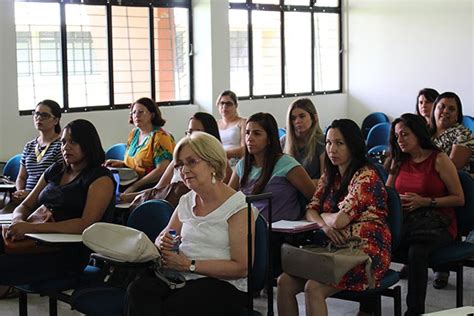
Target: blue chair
{"type": "Point", "coordinates": [371, 120]}
{"type": "Point", "coordinates": [116, 151]}
{"type": "Point", "coordinates": [459, 253]}
{"type": "Point", "coordinates": [391, 277]}
{"type": "Point", "coordinates": [281, 132]}
{"type": "Point", "coordinates": [468, 121]}
{"type": "Point", "coordinates": [378, 153]}
{"type": "Point", "coordinates": [12, 167]}
{"type": "Point", "coordinates": [378, 135]}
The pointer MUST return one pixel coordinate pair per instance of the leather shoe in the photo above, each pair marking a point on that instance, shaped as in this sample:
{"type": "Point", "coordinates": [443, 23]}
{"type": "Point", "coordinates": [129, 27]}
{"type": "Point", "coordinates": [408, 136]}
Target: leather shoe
{"type": "Point", "coordinates": [440, 282]}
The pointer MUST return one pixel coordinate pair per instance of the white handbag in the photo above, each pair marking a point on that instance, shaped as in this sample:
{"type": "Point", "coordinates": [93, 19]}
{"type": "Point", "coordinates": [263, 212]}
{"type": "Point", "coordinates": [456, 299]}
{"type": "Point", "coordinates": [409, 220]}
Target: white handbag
{"type": "Point", "coordinates": [120, 243]}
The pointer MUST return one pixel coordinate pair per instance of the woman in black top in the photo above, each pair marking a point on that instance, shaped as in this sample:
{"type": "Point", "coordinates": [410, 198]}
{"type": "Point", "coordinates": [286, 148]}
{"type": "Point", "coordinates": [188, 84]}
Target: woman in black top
{"type": "Point", "coordinates": [78, 192]}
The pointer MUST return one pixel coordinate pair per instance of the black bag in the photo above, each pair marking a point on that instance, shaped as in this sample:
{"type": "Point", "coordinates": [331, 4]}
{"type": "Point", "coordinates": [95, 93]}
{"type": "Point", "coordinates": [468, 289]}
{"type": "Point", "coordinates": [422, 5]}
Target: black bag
{"type": "Point", "coordinates": [120, 274]}
{"type": "Point", "coordinates": [424, 225]}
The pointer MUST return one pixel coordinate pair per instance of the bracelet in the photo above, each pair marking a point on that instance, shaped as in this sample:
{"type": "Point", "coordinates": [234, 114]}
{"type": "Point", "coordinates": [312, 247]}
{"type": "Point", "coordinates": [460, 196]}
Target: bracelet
{"type": "Point", "coordinates": [433, 203]}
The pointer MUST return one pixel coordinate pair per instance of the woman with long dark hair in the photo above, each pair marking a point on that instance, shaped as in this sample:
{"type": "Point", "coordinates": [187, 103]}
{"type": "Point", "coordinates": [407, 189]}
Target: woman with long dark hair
{"type": "Point", "coordinates": [429, 187]}
{"type": "Point", "coordinates": [266, 169]}
{"type": "Point", "coordinates": [76, 193]}
{"type": "Point", "coordinates": [350, 200]}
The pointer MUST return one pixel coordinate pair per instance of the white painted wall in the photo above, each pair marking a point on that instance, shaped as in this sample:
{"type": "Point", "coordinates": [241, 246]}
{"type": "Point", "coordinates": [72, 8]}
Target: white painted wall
{"type": "Point", "coordinates": [397, 47]}
{"type": "Point", "coordinates": [394, 48]}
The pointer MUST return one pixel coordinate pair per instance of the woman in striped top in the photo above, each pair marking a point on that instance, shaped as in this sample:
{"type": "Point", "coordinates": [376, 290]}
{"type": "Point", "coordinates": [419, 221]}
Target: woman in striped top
{"type": "Point", "coordinates": [41, 152]}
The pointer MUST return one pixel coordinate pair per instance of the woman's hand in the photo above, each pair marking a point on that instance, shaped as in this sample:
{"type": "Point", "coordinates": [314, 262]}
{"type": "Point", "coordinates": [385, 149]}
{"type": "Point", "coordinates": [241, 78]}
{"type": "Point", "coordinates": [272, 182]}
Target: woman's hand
{"type": "Point", "coordinates": [114, 163]}
{"type": "Point", "coordinates": [19, 196]}
{"type": "Point", "coordinates": [411, 201]}
{"type": "Point", "coordinates": [17, 230]}
{"type": "Point", "coordinates": [337, 237]}
{"type": "Point", "coordinates": [175, 261]}
{"type": "Point", "coordinates": [165, 241]}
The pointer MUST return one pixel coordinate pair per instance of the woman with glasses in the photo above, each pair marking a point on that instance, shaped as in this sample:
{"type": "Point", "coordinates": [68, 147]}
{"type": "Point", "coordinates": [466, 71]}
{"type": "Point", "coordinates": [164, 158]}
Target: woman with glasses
{"type": "Point", "coordinates": [149, 146]}
{"type": "Point", "coordinates": [199, 122]}
{"type": "Point", "coordinates": [231, 126]}
{"type": "Point", "coordinates": [39, 153]}
{"type": "Point", "coordinates": [211, 221]}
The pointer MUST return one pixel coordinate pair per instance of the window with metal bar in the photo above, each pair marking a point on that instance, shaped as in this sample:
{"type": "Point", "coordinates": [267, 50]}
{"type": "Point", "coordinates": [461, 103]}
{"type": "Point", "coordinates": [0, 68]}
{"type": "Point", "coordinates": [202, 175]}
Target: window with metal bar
{"type": "Point", "coordinates": [285, 47]}
{"type": "Point", "coordinates": [103, 54]}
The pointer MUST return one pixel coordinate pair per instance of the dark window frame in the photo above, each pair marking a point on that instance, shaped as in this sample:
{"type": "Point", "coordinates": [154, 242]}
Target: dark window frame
{"type": "Point", "coordinates": [249, 7]}
{"type": "Point", "coordinates": [151, 4]}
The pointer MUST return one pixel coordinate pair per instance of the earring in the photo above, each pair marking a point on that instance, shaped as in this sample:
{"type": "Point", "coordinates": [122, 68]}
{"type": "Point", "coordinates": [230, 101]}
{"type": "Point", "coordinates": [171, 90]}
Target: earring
{"type": "Point", "coordinates": [213, 180]}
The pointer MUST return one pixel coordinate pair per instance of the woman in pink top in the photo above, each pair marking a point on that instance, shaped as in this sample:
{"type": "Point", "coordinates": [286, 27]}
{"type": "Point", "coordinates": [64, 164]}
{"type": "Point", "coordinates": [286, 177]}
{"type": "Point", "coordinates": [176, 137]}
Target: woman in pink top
{"type": "Point", "coordinates": [427, 181]}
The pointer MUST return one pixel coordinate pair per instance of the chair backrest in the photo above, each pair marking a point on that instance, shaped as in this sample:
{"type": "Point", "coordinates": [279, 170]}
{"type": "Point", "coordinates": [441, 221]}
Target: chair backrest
{"type": "Point", "coordinates": [116, 151]}
{"type": "Point", "coordinates": [381, 171]}
{"type": "Point", "coordinates": [468, 121]}
{"type": "Point", "coordinates": [379, 135]}
{"type": "Point", "coordinates": [260, 260]}
{"type": "Point", "coordinates": [12, 167]}
{"type": "Point", "coordinates": [395, 216]}
{"type": "Point", "coordinates": [151, 217]}
{"type": "Point", "coordinates": [371, 120]}
{"type": "Point", "coordinates": [465, 213]}
{"type": "Point", "coordinates": [377, 154]}
{"type": "Point", "coordinates": [281, 132]}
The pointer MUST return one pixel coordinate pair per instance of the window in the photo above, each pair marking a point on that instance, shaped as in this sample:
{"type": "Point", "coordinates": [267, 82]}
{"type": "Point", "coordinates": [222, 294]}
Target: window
{"type": "Point", "coordinates": [285, 47]}
{"type": "Point", "coordinates": [103, 54]}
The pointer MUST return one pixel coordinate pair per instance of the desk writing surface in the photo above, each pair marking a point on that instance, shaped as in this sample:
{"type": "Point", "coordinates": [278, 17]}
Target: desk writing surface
{"type": "Point", "coordinates": [7, 187]}
{"type": "Point", "coordinates": [123, 205]}
{"type": "Point", "coordinates": [56, 238]}
{"type": "Point", "coordinates": [285, 226]}
{"type": "Point", "coordinates": [6, 218]}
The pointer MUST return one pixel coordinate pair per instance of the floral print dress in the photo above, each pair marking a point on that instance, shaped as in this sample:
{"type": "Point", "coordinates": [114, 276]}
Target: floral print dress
{"type": "Point", "coordinates": [366, 206]}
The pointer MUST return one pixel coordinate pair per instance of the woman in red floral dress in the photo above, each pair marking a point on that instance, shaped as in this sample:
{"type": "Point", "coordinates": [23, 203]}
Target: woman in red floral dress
{"type": "Point", "coordinates": [350, 200]}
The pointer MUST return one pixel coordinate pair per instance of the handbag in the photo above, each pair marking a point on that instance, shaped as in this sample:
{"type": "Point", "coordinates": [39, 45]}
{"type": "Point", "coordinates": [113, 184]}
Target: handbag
{"type": "Point", "coordinates": [171, 193]}
{"type": "Point", "coordinates": [326, 264]}
{"type": "Point", "coordinates": [127, 254]}
{"type": "Point", "coordinates": [423, 225]}
{"type": "Point", "coordinates": [29, 246]}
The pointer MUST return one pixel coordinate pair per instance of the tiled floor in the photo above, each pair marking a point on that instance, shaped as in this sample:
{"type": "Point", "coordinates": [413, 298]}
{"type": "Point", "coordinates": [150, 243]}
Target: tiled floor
{"type": "Point", "coordinates": [436, 300]}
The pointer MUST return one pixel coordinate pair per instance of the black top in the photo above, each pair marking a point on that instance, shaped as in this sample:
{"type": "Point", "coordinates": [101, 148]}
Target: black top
{"type": "Point", "coordinates": [68, 201]}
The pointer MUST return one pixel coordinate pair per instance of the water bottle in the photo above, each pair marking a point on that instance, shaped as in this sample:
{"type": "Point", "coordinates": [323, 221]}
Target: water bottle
{"type": "Point", "coordinates": [176, 242]}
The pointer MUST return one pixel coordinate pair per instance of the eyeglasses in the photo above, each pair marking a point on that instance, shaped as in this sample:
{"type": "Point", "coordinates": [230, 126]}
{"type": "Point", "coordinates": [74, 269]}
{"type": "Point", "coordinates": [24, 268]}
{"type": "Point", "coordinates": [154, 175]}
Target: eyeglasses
{"type": "Point", "coordinates": [190, 163]}
{"type": "Point", "coordinates": [190, 131]}
{"type": "Point", "coordinates": [138, 112]}
{"type": "Point", "coordinates": [42, 115]}
{"type": "Point", "coordinates": [226, 103]}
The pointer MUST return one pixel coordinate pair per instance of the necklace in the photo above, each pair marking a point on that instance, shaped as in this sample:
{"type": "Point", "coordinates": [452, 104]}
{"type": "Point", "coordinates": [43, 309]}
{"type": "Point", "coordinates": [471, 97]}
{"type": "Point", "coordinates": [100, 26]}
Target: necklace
{"type": "Point", "coordinates": [40, 152]}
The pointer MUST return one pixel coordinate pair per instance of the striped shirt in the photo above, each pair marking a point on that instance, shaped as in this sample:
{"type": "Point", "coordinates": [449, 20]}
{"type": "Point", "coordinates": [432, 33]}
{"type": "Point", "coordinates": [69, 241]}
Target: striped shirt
{"type": "Point", "coordinates": [35, 169]}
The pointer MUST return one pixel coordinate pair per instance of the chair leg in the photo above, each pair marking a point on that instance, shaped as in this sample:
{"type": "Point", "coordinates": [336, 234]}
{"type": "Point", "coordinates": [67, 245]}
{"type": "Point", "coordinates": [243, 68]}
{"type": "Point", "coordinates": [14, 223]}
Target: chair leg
{"type": "Point", "coordinates": [459, 285]}
{"type": "Point", "coordinates": [23, 304]}
{"type": "Point", "coordinates": [53, 307]}
{"type": "Point", "coordinates": [378, 305]}
{"type": "Point", "coordinates": [397, 301]}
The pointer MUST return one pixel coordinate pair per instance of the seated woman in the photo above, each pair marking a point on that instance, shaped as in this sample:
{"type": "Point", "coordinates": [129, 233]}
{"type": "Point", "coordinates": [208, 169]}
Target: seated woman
{"type": "Point", "coordinates": [199, 122]}
{"type": "Point", "coordinates": [449, 134]}
{"type": "Point", "coordinates": [266, 169]}
{"type": "Point", "coordinates": [77, 192]}
{"type": "Point", "coordinates": [212, 221]}
{"type": "Point", "coordinates": [350, 201]}
{"type": "Point", "coordinates": [39, 153]}
{"type": "Point", "coordinates": [454, 139]}
{"type": "Point", "coordinates": [231, 126]}
{"type": "Point", "coordinates": [426, 180]}
{"type": "Point", "coordinates": [149, 146]}
{"type": "Point", "coordinates": [424, 103]}
{"type": "Point", "coordinates": [304, 137]}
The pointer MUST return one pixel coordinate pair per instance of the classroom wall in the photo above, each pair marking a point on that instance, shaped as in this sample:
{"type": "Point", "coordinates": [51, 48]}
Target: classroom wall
{"type": "Point", "coordinates": [397, 47]}
{"type": "Point", "coordinates": [392, 49]}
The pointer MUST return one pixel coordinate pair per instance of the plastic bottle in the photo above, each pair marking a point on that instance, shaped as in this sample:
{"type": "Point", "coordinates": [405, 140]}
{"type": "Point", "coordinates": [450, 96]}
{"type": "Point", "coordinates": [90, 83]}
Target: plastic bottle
{"type": "Point", "coordinates": [176, 241]}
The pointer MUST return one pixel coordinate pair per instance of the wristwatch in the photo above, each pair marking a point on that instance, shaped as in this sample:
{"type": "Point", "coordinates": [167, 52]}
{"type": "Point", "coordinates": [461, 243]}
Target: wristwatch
{"type": "Point", "coordinates": [433, 203]}
{"type": "Point", "coordinates": [192, 267]}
